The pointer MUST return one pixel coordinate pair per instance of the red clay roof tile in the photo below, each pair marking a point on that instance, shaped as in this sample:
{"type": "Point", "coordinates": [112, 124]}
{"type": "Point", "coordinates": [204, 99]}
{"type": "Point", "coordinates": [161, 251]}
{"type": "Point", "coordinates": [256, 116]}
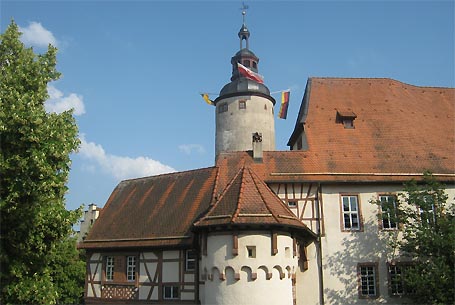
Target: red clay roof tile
{"type": "Point", "coordinates": [154, 211]}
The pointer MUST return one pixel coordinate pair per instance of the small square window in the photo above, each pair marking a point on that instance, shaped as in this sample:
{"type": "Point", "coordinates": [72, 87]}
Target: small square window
{"type": "Point", "coordinates": [190, 261]}
{"type": "Point", "coordinates": [251, 251]}
{"type": "Point", "coordinates": [292, 203]}
{"type": "Point", "coordinates": [348, 123]}
{"type": "Point", "coordinates": [223, 108]}
{"type": "Point", "coordinates": [242, 104]}
{"type": "Point", "coordinates": [170, 292]}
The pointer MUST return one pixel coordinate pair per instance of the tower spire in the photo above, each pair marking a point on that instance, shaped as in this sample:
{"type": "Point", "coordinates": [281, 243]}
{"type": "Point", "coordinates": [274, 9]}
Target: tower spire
{"type": "Point", "coordinates": [244, 33]}
{"type": "Point", "coordinates": [244, 8]}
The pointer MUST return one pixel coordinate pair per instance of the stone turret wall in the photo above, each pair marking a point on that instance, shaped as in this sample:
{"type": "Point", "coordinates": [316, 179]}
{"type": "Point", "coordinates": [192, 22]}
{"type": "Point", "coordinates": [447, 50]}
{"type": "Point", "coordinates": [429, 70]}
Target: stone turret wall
{"type": "Point", "coordinates": [248, 273]}
{"type": "Point", "coordinates": [235, 124]}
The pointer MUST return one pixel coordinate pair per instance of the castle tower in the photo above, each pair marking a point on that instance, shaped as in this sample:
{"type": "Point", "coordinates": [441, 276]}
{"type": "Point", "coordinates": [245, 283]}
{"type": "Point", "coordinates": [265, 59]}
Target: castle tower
{"type": "Point", "coordinates": [250, 245]}
{"type": "Point", "coordinates": [244, 106]}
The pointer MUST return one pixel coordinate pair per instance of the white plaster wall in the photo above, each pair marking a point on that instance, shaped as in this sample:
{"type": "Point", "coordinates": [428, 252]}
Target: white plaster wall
{"type": "Point", "coordinates": [220, 261]}
{"type": "Point", "coordinates": [342, 251]}
{"type": "Point", "coordinates": [234, 128]}
{"type": "Point", "coordinates": [187, 296]}
{"type": "Point", "coordinates": [149, 255]}
{"type": "Point", "coordinates": [96, 293]}
{"type": "Point", "coordinates": [171, 272]}
{"type": "Point", "coordinates": [171, 254]}
{"type": "Point", "coordinates": [307, 281]}
{"type": "Point", "coordinates": [144, 292]}
{"type": "Point", "coordinates": [151, 267]}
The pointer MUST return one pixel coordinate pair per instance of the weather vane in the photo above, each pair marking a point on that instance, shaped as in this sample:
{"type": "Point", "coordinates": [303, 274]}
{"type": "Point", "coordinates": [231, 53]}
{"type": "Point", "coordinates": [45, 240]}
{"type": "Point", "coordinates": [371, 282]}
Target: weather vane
{"type": "Point", "coordinates": [244, 8]}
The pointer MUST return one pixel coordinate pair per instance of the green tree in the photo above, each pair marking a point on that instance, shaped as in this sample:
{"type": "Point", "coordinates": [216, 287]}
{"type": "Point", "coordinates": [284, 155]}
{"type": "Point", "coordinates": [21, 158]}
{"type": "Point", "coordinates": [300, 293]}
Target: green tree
{"type": "Point", "coordinates": [34, 166]}
{"type": "Point", "coordinates": [426, 220]}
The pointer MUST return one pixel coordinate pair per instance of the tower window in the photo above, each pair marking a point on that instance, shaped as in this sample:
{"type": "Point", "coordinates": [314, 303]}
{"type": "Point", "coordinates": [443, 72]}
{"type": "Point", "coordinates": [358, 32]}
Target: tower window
{"type": "Point", "coordinates": [246, 63]}
{"type": "Point", "coordinates": [223, 108]}
{"type": "Point", "coordinates": [242, 104]}
{"type": "Point", "coordinates": [251, 251]}
{"type": "Point", "coordinates": [255, 65]}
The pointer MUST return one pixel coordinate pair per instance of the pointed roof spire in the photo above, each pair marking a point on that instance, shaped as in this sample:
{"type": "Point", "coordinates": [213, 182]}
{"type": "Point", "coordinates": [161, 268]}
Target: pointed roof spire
{"type": "Point", "coordinates": [244, 33]}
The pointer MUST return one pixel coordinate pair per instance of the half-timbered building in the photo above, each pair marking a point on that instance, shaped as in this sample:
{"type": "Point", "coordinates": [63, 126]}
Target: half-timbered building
{"type": "Point", "coordinates": [277, 227]}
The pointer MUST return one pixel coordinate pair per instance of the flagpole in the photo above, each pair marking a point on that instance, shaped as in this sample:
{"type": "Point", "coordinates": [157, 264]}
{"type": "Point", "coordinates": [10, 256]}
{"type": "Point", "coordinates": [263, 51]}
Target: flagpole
{"type": "Point", "coordinates": [279, 91]}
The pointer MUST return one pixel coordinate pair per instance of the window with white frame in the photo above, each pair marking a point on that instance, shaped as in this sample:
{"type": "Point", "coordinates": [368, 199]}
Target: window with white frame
{"type": "Point", "coordinates": [396, 282]}
{"type": "Point", "coordinates": [351, 213]}
{"type": "Point", "coordinates": [109, 268]}
{"type": "Point", "coordinates": [388, 211]}
{"type": "Point", "coordinates": [427, 210]}
{"type": "Point", "coordinates": [396, 276]}
{"type": "Point", "coordinates": [190, 260]}
{"type": "Point", "coordinates": [368, 281]}
{"type": "Point", "coordinates": [170, 292]}
{"type": "Point", "coordinates": [131, 268]}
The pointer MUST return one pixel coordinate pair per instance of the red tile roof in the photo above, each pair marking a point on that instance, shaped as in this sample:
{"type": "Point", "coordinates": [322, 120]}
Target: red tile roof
{"type": "Point", "coordinates": [399, 132]}
{"type": "Point", "coordinates": [398, 128]}
{"type": "Point", "coordinates": [153, 211]}
{"type": "Point", "coordinates": [247, 200]}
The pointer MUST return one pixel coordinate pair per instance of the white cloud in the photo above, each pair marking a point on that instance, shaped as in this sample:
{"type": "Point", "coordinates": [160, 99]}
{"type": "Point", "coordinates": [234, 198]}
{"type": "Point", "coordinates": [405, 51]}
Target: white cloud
{"type": "Point", "coordinates": [121, 167]}
{"type": "Point", "coordinates": [190, 148]}
{"type": "Point", "coordinates": [36, 35]}
{"type": "Point", "coordinates": [58, 103]}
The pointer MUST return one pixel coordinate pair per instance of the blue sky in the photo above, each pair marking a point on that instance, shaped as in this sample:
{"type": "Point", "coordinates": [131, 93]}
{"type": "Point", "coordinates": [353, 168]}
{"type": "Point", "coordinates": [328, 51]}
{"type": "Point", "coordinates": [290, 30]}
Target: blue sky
{"type": "Point", "coordinates": [133, 70]}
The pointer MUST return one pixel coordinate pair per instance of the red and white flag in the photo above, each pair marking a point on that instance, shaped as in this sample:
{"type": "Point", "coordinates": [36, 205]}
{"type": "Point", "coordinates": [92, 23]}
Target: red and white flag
{"type": "Point", "coordinates": [250, 74]}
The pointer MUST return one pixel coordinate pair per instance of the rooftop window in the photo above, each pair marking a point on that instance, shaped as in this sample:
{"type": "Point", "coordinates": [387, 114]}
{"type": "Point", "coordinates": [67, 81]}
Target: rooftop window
{"type": "Point", "coordinates": [346, 118]}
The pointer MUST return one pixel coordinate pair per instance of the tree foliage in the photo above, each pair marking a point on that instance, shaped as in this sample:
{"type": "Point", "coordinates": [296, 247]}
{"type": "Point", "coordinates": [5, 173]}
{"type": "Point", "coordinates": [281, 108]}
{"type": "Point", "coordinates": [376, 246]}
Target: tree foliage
{"type": "Point", "coordinates": [34, 166]}
{"type": "Point", "coordinates": [426, 220]}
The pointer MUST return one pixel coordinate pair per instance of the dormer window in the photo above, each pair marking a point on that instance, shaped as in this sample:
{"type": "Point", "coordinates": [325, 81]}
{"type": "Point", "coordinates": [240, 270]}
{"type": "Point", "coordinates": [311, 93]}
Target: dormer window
{"type": "Point", "coordinates": [346, 118]}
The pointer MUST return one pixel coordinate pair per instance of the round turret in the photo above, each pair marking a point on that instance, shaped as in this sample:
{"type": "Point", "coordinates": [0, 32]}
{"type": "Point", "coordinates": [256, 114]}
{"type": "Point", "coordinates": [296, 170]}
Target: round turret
{"type": "Point", "coordinates": [241, 269]}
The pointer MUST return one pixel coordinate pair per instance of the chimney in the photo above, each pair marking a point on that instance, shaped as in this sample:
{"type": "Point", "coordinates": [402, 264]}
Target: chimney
{"type": "Point", "coordinates": [257, 147]}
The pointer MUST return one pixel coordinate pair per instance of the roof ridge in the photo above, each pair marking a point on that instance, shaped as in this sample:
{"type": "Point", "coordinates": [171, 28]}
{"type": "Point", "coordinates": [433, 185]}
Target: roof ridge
{"type": "Point", "coordinates": [251, 172]}
{"type": "Point", "coordinates": [168, 174]}
{"type": "Point", "coordinates": [374, 78]}
{"type": "Point", "coordinates": [215, 187]}
{"type": "Point", "coordinates": [214, 205]}
{"type": "Point", "coordinates": [241, 193]}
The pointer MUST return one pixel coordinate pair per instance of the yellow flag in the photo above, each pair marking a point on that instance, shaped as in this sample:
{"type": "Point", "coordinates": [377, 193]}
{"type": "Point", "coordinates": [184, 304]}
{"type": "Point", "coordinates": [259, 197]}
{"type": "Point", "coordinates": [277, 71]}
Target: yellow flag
{"type": "Point", "coordinates": [205, 96]}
